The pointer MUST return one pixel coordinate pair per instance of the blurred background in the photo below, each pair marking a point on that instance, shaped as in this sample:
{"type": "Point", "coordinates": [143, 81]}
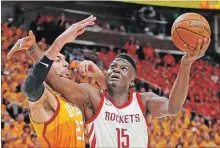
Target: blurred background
{"type": "Point", "coordinates": [141, 29]}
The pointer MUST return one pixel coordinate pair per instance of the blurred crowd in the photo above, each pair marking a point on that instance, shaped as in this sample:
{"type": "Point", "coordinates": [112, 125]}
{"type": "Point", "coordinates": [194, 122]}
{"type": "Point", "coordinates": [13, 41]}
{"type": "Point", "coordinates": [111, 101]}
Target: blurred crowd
{"type": "Point", "coordinates": [49, 27]}
{"type": "Point", "coordinates": [198, 124]}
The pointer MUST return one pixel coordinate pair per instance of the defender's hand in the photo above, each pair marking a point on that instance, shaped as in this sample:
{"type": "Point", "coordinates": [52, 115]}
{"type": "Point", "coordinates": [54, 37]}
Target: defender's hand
{"type": "Point", "coordinates": [192, 56]}
{"type": "Point", "coordinates": [26, 43]}
{"type": "Point", "coordinates": [88, 68]}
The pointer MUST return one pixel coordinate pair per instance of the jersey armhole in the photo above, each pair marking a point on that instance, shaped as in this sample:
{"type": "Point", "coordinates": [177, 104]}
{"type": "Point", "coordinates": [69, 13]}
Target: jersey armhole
{"type": "Point", "coordinates": [98, 110]}
{"type": "Point", "coordinates": [139, 100]}
{"type": "Point", "coordinates": [51, 118]}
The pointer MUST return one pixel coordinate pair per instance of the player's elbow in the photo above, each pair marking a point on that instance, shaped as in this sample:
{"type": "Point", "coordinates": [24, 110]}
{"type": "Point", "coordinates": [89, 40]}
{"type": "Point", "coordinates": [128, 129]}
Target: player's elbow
{"type": "Point", "coordinates": [32, 90]}
{"type": "Point", "coordinates": [173, 111]}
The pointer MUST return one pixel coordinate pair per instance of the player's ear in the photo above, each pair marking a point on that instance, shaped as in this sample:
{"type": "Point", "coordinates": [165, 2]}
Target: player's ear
{"type": "Point", "coordinates": [131, 83]}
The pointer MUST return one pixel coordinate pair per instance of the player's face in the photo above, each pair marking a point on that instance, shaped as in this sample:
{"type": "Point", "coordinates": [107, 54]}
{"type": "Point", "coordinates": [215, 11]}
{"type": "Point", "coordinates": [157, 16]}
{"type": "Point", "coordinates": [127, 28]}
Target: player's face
{"type": "Point", "coordinates": [120, 73]}
{"type": "Point", "coordinates": [61, 66]}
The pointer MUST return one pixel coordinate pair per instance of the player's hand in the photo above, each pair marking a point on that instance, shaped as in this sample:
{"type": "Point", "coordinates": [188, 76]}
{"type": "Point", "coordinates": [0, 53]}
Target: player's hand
{"type": "Point", "coordinates": [26, 43]}
{"type": "Point", "coordinates": [88, 68]}
{"type": "Point", "coordinates": [75, 30]}
{"type": "Point", "coordinates": [200, 50]}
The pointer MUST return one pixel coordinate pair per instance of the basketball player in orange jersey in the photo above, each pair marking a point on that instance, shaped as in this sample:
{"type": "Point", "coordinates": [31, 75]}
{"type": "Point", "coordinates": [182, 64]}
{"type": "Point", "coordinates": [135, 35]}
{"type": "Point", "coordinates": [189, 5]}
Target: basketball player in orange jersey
{"type": "Point", "coordinates": [56, 122]}
{"type": "Point", "coordinates": [115, 117]}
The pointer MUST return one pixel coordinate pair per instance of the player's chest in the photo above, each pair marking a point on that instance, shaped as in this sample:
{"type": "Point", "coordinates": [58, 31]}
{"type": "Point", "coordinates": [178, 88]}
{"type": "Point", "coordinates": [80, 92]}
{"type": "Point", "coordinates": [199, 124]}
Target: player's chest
{"type": "Point", "coordinates": [128, 115]}
{"type": "Point", "coordinates": [70, 112]}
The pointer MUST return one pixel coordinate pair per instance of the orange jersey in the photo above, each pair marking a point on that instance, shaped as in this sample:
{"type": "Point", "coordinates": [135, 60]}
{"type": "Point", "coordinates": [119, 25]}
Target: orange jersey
{"type": "Point", "coordinates": [64, 129]}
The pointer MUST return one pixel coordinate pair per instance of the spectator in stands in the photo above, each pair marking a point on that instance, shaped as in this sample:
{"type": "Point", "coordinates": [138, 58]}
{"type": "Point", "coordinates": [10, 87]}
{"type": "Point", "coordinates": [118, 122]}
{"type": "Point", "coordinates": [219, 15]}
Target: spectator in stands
{"type": "Point", "coordinates": [27, 129]}
{"type": "Point", "coordinates": [148, 51]}
{"type": "Point", "coordinates": [14, 131]}
{"type": "Point", "coordinates": [207, 142]}
{"type": "Point", "coordinates": [169, 59]}
{"type": "Point", "coordinates": [5, 119]}
{"type": "Point", "coordinates": [24, 142]}
{"type": "Point", "coordinates": [34, 141]}
{"type": "Point", "coordinates": [20, 122]}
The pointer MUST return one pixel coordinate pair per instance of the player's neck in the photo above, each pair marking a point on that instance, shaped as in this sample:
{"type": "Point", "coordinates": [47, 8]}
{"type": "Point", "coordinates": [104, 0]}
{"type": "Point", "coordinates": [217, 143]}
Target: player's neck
{"type": "Point", "coordinates": [119, 97]}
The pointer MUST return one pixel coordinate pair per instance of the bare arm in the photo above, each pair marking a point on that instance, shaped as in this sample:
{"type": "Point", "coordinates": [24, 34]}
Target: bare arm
{"type": "Point", "coordinates": [43, 109]}
{"type": "Point", "coordinates": [69, 89]}
{"type": "Point", "coordinates": [161, 106]}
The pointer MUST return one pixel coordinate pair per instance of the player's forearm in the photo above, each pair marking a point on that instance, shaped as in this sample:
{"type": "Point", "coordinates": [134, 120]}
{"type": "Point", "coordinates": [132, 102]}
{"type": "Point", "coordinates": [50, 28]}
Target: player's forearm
{"type": "Point", "coordinates": [55, 49]}
{"type": "Point", "coordinates": [179, 90]}
{"type": "Point", "coordinates": [100, 78]}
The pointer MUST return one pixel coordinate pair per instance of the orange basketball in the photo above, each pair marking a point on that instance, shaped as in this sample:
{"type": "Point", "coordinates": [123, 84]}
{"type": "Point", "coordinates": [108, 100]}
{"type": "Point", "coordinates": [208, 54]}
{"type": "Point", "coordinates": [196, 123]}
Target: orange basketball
{"type": "Point", "coordinates": [188, 28]}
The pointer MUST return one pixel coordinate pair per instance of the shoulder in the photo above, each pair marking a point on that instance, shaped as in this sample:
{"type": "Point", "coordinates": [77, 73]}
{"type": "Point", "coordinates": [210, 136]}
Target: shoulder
{"type": "Point", "coordinates": [148, 95]}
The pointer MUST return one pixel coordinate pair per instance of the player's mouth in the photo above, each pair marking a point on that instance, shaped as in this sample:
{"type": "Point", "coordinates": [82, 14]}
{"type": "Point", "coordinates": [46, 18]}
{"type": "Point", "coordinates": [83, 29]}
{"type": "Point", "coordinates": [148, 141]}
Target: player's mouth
{"type": "Point", "coordinates": [66, 73]}
{"type": "Point", "coordinates": [114, 77]}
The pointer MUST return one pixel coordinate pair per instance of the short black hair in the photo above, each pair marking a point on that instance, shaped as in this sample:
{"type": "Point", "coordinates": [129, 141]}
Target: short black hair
{"type": "Point", "coordinates": [129, 58]}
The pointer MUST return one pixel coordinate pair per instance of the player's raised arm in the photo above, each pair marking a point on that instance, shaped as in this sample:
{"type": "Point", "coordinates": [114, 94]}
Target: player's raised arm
{"type": "Point", "coordinates": [69, 89]}
{"type": "Point", "coordinates": [161, 106]}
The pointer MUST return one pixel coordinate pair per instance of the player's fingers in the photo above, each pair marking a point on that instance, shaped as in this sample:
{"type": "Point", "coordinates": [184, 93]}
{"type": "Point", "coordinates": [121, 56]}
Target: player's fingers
{"type": "Point", "coordinates": [206, 44]}
{"type": "Point", "coordinates": [88, 19]}
{"type": "Point", "coordinates": [13, 50]}
{"type": "Point", "coordinates": [199, 44]}
{"type": "Point", "coordinates": [187, 50]}
{"type": "Point", "coordinates": [79, 27]}
{"type": "Point", "coordinates": [83, 69]}
{"type": "Point", "coordinates": [199, 53]}
{"type": "Point", "coordinates": [32, 36]}
{"type": "Point", "coordinates": [87, 24]}
{"type": "Point", "coordinates": [80, 68]}
{"type": "Point", "coordinates": [24, 42]}
{"type": "Point", "coordinates": [81, 31]}
{"type": "Point", "coordinates": [86, 67]}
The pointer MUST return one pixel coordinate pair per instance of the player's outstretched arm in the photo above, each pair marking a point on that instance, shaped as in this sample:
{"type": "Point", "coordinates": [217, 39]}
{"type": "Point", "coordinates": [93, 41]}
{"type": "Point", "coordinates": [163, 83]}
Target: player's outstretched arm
{"type": "Point", "coordinates": [161, 106]}
{"type": "Point", "coordinates": [69, 89]}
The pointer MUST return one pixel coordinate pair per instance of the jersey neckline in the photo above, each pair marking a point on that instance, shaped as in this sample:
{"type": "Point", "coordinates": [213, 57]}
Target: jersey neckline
{"type": "Point", "coordinates": [123, 105]}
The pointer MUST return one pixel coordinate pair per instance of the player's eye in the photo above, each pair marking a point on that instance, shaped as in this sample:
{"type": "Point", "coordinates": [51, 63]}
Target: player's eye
{"type": "Point", "coordinates": [112, 66]}
{"type": "Point", "coordinates": [124, 68]}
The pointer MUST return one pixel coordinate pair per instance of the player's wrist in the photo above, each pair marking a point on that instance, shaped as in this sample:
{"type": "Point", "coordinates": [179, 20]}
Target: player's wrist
{"type": "Point", "coordinates": [186, 64]}
{"type": "Point", "coordinates": [33, 48]}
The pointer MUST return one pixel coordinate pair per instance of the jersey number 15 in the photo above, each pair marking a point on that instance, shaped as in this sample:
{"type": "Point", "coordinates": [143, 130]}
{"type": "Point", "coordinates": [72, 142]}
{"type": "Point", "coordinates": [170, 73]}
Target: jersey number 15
{"type": "Point", "coordinates": [122, 136]}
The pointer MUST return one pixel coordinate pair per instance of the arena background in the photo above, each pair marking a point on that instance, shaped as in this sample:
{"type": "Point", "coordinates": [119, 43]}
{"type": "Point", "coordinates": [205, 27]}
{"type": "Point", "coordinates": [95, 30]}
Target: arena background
{"type": "Point", "coordinates": [141, 30]}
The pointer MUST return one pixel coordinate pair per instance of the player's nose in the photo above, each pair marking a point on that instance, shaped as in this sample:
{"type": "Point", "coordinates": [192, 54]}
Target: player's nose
{"type": "Point", "coordinates": [116, 70]}
{"type": "Point", "coordinates": [66, 64]}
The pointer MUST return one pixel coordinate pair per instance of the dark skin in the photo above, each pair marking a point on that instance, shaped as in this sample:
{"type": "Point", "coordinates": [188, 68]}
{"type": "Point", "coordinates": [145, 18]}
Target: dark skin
{"type": "Point", "coordinates": [119, 77]}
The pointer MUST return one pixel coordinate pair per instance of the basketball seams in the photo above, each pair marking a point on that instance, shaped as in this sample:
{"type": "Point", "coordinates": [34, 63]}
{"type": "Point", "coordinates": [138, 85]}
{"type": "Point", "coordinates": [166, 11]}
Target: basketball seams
{"type": "Point", "coordinates": [190, 31]}
{"type": "Point", "coordinates": [183, 40]}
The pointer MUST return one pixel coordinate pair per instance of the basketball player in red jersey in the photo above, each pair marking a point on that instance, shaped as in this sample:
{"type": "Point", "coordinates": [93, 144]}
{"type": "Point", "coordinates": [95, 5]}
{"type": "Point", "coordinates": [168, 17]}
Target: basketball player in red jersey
{"type": "Point", "coordinates": [115, 117]}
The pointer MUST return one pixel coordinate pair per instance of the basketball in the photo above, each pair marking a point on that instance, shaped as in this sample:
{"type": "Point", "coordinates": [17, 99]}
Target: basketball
{"type": "Point", "coordinates": [188, 28]}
